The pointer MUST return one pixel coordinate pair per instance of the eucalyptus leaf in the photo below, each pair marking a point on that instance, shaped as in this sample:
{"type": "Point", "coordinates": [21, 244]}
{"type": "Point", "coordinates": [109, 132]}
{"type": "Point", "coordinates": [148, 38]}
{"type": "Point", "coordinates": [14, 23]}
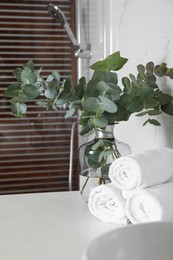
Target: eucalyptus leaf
{"type": "Point", "coordinates": [66, 95]}
{"type": "Point", "coordinates": [105, 171]}
{"type": "Point", "coordinates": [86, 131]}
{"type": "Point", "coordinates": [113, 62]}
{"type": "Point", "coordinates": [81, 87]}
{"type": "Point", "coordinates": [145, 92]}
{"type": "Point", "coordinates": [84, 117]}
{"type": "Point", "coordinates": [125, 99]}
{"type": "Point", "coordinates": [30, 65]}
{"type": "Point", "coordinates": [41, 103]}
{"type": "Point", "coordinates": [51, 91]}
{"type": "Point", "coordinates": [102, 87]}
{"type": "Point", "coordinates": [153, 85]}
{"type": "Point", "coordinates": [19, 109]}
{"type": "Point", "coordinates": [30, 91]}
{"type": "Point", "coordinates": [91, 90]}
{"type": "Point", "coordinates": [19, 99]}
{"type": "Point", "coordinates": [100, 66]}
{"type": "Point", "coordinates": [108, 105]}
{"type": "Point", "coordinates": [107, 77]}
{"type": "Point", "coordinates": [101, 121]}
{"type": "Point", "coordinates": [13, 90]}
{"type": "Point", "coordinates": [169, 73]}
{"type": "Point", "coordinates": [150, 79]}
{"type": "Point", "coordinates": [136, 105]}
{"type": "Point", "coordinates": [114, 87]}
{"type": "Point", "coordinates": [97, 144]}
{"type": "Point", "coordinates": [98, 76]}
{"type": "Point", "coordinates": [27, 76]}
{"type": "Point", "coordinates": [76, 104]}
{"type": "Point", "coordinates": [132, 77]}
{"type": "Point", "coordinates": [151, 102]}
{"type": "Point", "coordinates": [160, 70]}
{"type": "Point", "coordinates": [56, 75]}
{"type": "Point", "coordinates": [68, 85]}
{"type": "Point", "coordinates": [93, 159]}
{"type": "Point", "coordinates": [134, 80]}
{"type": "Point", "coordinates": [146, 122]}
{"type": "Point", "coordinates": [126, 83]}
{"type": "Point", "coordinates": [168, 108]}
{"type": "Point", "coordinates": [101, 156]}
{"type": "Point", "coordinates": [141, 70]}
{"type": "Point", "coordinates": [113, 93]}
{"type": "Point", "coordinates": [154, 112]}
{"type": "Point", "coordinates": [91, 122]}
{"type": "Point", "coordinates": [70, 113]}
{"type": "Point", "coordinates": [142, 113]}
{"type": "Point", "coordinates": [49, 78]}
{"type": "Point", "coordinates": [17, 73]}
{"type": "Point", "coordinates": [63, 98]}
{"type": "Point", "coordinates": [150, 67]}
{"type": "Point", "coordinates": [163, 98]}
{"type": "Point", "coordinates": [50, 106]}
{"type": "Point", "coordinates": [110, 77]}
{"type": "Point", "coordinates": [154, 122]}
{"type": "Point", "coordinates": [91, 104]}
{"type": "Point", "coordinates": [122, 114]}
{"type": "Point", "coordinates": [108, 152]}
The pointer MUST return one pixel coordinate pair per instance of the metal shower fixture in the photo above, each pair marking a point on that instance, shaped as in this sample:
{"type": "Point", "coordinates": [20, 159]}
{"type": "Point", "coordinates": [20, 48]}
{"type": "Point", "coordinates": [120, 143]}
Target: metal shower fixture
{"type": "Point", "coordinates": [58, 15]}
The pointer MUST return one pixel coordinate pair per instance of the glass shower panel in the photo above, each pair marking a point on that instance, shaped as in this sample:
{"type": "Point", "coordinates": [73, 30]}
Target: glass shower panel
{"type": "Point", "coordinates": [90, 32]}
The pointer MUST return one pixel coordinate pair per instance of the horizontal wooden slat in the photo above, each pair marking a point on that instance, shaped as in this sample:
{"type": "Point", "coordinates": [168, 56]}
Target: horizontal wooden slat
{"type": "Point", "coordinates": [34, 151]}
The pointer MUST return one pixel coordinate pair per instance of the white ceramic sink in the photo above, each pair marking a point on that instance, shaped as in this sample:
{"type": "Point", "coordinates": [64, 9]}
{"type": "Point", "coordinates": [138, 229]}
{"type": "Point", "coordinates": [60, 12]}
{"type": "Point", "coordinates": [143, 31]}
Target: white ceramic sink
{"type": "Point", "coordinates": [150, 241]}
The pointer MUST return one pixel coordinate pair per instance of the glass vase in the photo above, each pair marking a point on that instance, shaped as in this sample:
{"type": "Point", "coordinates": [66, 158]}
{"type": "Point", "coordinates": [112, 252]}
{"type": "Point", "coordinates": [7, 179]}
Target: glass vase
{"type": "Point", "coordinates": [95, 158]}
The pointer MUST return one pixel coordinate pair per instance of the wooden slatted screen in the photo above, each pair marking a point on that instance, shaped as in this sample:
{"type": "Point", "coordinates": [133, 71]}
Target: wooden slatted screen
{"type": "Point", "coordinates": [34, 152]}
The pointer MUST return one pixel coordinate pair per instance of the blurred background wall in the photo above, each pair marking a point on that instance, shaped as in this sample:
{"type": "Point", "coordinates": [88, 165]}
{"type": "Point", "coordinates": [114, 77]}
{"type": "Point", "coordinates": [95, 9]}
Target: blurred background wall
{"type": "Point", "coordinates": [142, 31]}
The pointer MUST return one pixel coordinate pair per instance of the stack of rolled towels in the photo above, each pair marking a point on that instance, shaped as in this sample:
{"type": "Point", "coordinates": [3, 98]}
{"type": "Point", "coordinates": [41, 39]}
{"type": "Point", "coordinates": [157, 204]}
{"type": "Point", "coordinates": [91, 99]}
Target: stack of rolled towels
{"type": "Point", "coordinates": [141, 189]}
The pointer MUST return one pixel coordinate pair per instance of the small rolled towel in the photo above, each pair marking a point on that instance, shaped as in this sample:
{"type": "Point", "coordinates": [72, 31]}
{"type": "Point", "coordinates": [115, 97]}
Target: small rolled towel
{"type": "Point", "coordinates": [106, 203]}
{"type": "Point", "coordinates": [151, 204]}
{"type": "Point", "coordinates": [142, 170]}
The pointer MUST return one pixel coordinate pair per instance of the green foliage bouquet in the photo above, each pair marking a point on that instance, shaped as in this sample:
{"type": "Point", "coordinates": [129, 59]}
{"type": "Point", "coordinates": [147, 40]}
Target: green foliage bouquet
{"type": "Point", "coordinates": [100, 101]}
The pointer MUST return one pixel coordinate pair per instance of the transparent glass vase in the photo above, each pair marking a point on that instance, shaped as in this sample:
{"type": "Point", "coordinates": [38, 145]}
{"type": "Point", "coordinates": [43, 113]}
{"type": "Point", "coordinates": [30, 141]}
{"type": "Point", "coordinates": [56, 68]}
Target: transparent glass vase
{"type": "Point", "coordinates": [95, 158]}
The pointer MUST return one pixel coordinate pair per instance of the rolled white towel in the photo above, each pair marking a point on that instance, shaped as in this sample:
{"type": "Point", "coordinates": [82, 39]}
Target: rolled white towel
{"type": "Point", "coordinates": [151, 204]}
{"type": "Point", "coordinates": [106, 203]}
{"type": "Point", "coordinates": [142, 170]}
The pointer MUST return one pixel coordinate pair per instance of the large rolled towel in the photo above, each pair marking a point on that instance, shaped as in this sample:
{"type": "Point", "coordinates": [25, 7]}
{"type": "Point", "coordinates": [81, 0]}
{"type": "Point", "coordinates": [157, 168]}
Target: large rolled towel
{"type": "Point", "coordinates": [151, 204]}
{"type": "Point", "coordinates": [142, 170]}
{"type": "Point", "coordinates": [106, 203]}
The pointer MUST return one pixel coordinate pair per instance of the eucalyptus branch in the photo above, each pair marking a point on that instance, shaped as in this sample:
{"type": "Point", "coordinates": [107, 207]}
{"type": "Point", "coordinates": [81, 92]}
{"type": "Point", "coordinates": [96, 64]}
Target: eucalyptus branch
{"type": "Point", "coordinates": [100, 100]}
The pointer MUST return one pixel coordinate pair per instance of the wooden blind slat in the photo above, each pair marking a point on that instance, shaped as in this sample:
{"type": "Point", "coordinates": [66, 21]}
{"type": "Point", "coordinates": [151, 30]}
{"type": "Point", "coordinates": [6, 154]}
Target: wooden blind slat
{"type": "Point", "coordinates": [34, 151]}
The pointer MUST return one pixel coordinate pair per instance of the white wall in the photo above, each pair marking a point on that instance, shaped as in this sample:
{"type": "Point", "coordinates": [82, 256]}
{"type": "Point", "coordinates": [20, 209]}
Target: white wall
{"type": "Point", "coordinates": [142, 31]}
{"type": "Point", "coordinates": [145, 32]}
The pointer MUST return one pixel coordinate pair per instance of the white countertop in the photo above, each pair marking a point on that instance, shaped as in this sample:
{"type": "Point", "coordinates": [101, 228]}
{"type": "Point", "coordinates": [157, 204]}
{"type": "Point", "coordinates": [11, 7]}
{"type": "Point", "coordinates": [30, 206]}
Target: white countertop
{"type": "Point", "coordinates": [46, 226]}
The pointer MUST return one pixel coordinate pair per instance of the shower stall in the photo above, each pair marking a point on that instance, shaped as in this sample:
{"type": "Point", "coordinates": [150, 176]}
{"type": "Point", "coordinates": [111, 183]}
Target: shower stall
{"type": "Point", "coordinates": [106, 26]}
